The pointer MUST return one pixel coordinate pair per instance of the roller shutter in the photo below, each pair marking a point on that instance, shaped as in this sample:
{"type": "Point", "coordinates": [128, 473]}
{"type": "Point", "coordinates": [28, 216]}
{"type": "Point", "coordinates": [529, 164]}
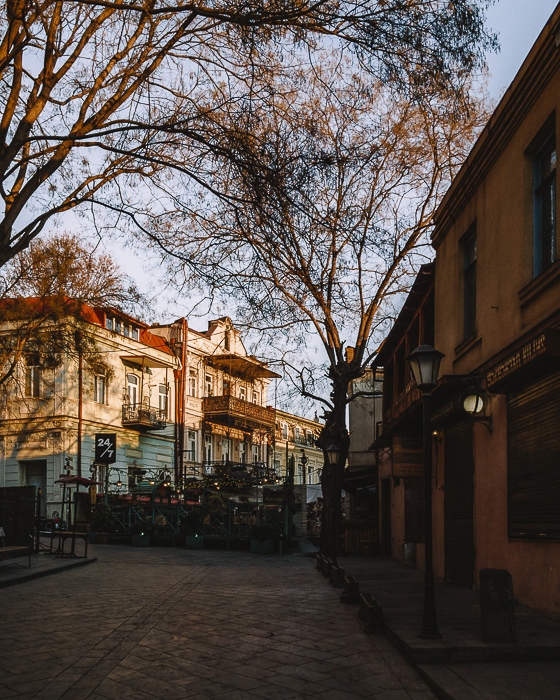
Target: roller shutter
{"type": "Point", "coordinates": [534, 460]}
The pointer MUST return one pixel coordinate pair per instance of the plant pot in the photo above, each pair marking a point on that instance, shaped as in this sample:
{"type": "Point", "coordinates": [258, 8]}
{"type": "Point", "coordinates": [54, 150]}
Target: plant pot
{"type": "Point", "coordinates": [194, 541]}
{"type": "Point", "coordinates": [140, 539]}
{"type": "Point", "coordinates": [262, 546]}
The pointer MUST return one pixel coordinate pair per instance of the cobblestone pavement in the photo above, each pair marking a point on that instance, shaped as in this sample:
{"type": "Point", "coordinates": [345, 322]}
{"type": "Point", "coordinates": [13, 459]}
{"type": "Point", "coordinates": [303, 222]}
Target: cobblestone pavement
{"type": "Point", "coordinates": [173, 623]}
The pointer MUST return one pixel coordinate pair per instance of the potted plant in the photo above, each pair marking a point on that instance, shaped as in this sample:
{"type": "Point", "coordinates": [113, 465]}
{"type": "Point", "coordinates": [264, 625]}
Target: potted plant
{"type": "Point", "coordinates": [141, 531]}
{"type": "Point", "coordinates": [191, 526]}
{"type": "Point", "coordinates": [263, 537]}
{"type": "Point", "coordinates": [101, 523]}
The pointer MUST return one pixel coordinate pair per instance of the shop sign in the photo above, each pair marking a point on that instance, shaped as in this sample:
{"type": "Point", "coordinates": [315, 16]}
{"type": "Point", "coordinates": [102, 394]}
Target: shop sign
{"type": "Point", "coordinates": [408, 456]}
{"type": "Point", "coordinates": [105, 448]}
{"type": "Point", "coordinates": [517, 360]}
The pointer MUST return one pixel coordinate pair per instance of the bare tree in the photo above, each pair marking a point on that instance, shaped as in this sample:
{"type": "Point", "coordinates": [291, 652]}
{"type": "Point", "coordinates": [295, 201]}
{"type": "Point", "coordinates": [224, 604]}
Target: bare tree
{"type": "Point", "coordinates": [51, 282]}
{"type": "Point", "coordinates": [339, 178]}
{"type": "Point", "coordinates": [98, 97]}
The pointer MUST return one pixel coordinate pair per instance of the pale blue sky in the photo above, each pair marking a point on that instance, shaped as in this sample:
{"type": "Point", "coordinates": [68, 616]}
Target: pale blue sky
{"type": "Point", "coordinates": [518, 24]}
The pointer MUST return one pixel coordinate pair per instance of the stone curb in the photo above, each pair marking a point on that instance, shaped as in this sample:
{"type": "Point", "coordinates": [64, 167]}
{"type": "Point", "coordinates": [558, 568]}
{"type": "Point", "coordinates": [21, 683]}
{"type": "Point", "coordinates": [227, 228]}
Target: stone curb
{"type": "Point", "coordinates": [45, 572]}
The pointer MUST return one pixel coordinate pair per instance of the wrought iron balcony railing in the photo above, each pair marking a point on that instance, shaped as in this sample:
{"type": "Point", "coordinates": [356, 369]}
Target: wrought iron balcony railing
{"type": "Point", "coordinates": [221, 407]}
{"type": "Point", "coordinates": [143, 416]}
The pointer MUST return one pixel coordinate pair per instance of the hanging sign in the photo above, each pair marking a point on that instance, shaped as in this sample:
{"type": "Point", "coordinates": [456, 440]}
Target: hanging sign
{"type": "Point", "coordinates": [105, 448]}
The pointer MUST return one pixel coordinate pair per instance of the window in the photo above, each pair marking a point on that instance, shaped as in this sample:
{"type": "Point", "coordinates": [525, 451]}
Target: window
{"type": "Point", "coordinates": [256, 453]}
{"type": "Point", "coordinates": [243, 393]}
{"type": "Point", "coordinates": [227, 387]}
{"type": "Point", "coordinates": [192, 383]}
{"type": "Point", "coordinates": [109, 323]}
{"type": "Point", "coordinates": [118, 326]}
{"type": "Point", "coordinates": [32, 375]}
{"type": "Point", "coordinates": [242, 452]}
{"type": "Point", "coordinates": [256, 397]}
{"type": "Point", "coordinates": [135, 333]}
{"type": "Point", "coordinates": [284, 428]}
{"type": "Point", "coordinates": [132, 388]}
{"type": "Point", "coordinates": [226, 341]}
{"type": "Point", "coordinates": [469, 282]}
{"type": "Point", "coordinates": [297, 434]}
{"type": "Point", "coordinates": [209, 385]}
{"type": "Point", "coordinates": [544, 203]}
{"type": "Point", "coordinates": [208, 448]}
{"type": "Point", "coordinates": [226, 449]}
{"type": "Point", "coordinates": [100, 388]}
{"type": "Point", "coordinates": [162, 399]}
{"type": "Point", "coordinates": [191, 445]}
{"type": "Point", "coordinates": [126, 330]}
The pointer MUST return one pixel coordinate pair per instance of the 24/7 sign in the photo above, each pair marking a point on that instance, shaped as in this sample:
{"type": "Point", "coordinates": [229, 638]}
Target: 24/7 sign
{"type": "Point", "coordinates": [105, 448]}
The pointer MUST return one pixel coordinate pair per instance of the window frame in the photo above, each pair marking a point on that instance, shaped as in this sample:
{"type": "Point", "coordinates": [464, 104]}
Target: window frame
{"type": "Point", "coordinates": [135, 385]}
{"type": "Point", "coordinates": [33, 376]}
{"type": "Point", "coordinates": [192, 385]}
{"type": "Point", "coordinates": [163, 399]}
{"type": "Point", "coordinates": [191, 445]}
{"type": "Point", "coordinates": [100, 381]}
{"type": "Point", "coordinates": [543, 184]}
{"type": "Point", "coordinates": [469, 244]}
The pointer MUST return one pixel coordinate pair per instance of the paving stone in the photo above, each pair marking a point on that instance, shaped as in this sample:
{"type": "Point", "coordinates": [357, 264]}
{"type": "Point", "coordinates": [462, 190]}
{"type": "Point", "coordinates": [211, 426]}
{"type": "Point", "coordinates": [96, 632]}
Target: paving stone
{"type": "Point", "coordinates": [210, 624]}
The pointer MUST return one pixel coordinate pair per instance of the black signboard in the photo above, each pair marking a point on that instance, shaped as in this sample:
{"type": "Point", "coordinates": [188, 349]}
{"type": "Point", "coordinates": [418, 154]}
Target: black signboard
{"type": "Point", "coordinates": [105, 448]}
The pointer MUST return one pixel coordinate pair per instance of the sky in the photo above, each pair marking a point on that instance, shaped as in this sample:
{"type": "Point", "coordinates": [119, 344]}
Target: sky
{"type": "Point", "coordinates": [517, 23]}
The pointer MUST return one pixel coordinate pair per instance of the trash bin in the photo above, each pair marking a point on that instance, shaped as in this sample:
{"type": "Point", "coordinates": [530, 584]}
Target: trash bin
{"type": "Point", "coordinates": [409, 551]}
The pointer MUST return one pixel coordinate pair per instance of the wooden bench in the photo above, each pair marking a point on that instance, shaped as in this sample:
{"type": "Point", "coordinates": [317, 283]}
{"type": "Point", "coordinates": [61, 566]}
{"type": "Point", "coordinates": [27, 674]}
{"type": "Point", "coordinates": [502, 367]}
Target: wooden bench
{"type": "Point", "coordinates": [13, 551]}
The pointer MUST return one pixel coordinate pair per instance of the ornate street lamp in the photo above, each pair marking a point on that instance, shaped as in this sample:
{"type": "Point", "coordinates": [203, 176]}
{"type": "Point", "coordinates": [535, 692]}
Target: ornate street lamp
{"type": "Point", "coordinates": [333, 453]}
{"type": "Point", "coordinates": [424, 364]}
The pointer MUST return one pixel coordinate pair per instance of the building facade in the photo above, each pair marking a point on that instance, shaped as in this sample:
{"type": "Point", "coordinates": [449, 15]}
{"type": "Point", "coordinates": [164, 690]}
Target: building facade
{"type": "Point", "coordinates": [126, 404]}
{"type": "Point", "coordinates": [496, 309]}
{"type": "Point", "coordinates": [294, 442]}
{"type": "Point", "coordinates": [398, 445]}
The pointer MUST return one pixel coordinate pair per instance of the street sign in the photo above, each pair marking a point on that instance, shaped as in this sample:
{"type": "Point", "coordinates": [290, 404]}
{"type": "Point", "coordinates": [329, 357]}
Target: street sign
{"type": "Point", "coordinates": [105, 448]}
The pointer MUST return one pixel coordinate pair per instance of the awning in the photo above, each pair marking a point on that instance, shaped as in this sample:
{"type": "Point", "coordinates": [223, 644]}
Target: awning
{"type": "Point", "coordinates": [76, 481]}
{"type": "Point", "coordinates": [243, 365]}
{"type": "Point", "coordinates": [359, 478]}
{"type": "Point", "coordinates": [148, 361]}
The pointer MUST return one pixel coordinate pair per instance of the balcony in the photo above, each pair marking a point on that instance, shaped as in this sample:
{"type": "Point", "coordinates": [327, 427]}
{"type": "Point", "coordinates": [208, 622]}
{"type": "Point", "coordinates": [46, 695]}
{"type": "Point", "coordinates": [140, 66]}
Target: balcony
{"type": "Point", "coordinates": [142, 416]}
{"type": "Point", "coordinates": [251, 473]}
{"type": "Point", "coordinates": [237, 413]}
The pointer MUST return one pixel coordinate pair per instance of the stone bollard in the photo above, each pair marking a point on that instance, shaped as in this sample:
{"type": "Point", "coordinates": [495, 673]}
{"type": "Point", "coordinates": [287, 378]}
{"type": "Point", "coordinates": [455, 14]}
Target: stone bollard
{"type": "Point", "coordinates": [497, 614]}
{"type": "Point", "coordinates": [370, 614]}
{"type": "Point", "coordinates": [336, 578]}
{"type": "Point", "coordinates": [328, 564]}
{"type": "Point", "coordinates": [351, 592]}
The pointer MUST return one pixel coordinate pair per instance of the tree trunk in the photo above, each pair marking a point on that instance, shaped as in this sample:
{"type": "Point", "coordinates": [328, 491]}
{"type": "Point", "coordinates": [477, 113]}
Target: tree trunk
{"type": "Point", "coordinates": [334, 433]}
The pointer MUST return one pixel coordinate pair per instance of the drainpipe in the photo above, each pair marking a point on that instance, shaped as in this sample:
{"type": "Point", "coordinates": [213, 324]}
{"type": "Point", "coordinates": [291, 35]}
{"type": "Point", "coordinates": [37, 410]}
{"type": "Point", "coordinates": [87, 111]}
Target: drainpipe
{"type": "Point", "coordinates": [180, 389]}
{"type": "Point", "coordinates": [78, 340]}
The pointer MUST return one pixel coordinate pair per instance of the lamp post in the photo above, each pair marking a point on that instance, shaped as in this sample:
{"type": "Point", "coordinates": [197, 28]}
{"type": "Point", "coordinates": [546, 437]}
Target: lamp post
{"type": "Point", "coordinates": [424, 364]}
{"type": "Point", "coordinates": [333, 456]}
